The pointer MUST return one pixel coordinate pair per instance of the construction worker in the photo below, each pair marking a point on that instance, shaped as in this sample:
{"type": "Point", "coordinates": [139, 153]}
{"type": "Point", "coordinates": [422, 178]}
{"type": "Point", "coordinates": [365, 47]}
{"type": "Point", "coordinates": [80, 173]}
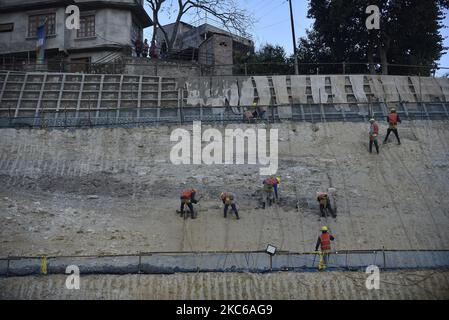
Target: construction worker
{"type": "Point", "coordinates": [255, 112]}
{"type": "Point", "coordinates": [373, 134]}
{"type": "Point", "coordinates": [187, 198]}
{"type": "Point", "coordinates": [275, 181]}
{"type": "Point", "coordinates": [325, 203]}
{"type": "Point", "coordinates": [393, 120]}
{"type": "Point", "coordinates": [267, 191]}
{"type": "Point", "coordinates": [228, 200]}
{"type": "Point", "coordinates": [324, 240]}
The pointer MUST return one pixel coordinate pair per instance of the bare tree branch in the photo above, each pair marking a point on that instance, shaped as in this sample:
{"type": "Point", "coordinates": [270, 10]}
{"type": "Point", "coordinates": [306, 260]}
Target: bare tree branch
{"type": "Point", "coordinates": [233, 18]}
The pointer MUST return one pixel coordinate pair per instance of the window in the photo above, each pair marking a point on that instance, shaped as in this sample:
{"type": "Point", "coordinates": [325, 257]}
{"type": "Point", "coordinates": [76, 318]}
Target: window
{"type": "Point", "coordinates": [36, 21]}
{"type": "Point", "coordinates": [79, 65]}
{"type": "Point", "coordinates": [87, 27]}
{"type": "Point", "coordinates": [135, 32]}
{"type": "Point", "coordinates": [6, 27]}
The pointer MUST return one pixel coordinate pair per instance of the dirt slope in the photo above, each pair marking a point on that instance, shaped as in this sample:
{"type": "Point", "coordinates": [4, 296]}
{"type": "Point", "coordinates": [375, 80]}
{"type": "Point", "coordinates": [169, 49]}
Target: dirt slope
{"type": "Point", "coordinates": [397, 199]}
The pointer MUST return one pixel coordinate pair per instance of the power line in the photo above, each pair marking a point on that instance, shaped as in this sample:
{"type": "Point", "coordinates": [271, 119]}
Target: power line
{"type": "Point", "coordinates": [274, 24]}
{"type": "Point", "coordinates": [272, 9]}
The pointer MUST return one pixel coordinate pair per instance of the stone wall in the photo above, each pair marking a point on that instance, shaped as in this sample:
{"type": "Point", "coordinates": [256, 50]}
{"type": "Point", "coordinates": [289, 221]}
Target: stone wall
{"type": "Point", "coordinates": [160, 68]}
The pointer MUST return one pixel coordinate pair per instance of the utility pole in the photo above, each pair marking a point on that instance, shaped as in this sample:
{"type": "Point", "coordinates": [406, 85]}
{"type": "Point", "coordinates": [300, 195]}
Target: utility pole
{"type": "Point", "coordinates": [294, 38]}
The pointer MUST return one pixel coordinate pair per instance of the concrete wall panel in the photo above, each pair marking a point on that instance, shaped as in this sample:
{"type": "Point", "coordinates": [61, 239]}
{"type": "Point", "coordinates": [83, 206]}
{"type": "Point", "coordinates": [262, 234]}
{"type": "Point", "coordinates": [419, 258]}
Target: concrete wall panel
{"type": "Point", "coordinates": [376, 88]}
{"type": "Point", "coordinates": [263, 90]}
{"type": "Point", "coordinates": [246, 92]}
{"type": "Point", "coordinates": [338, 89]}
{"type": "Point", "coordinates": [357, 82]}
{"type": "Point", "coordinates": [403, 87]}
{"type": "Point", "coordinates": [299, 86]}
{"type": "Point", "coordinates": [427, 89]}
{"type": "Point", "coordinates": [280, 89]}
{"type": "Point", "coordinates": [444, 84]}
{"type": "Point", "coordinates": [389, 88]}
{"type": "Point", "coordinates": [319, 93]}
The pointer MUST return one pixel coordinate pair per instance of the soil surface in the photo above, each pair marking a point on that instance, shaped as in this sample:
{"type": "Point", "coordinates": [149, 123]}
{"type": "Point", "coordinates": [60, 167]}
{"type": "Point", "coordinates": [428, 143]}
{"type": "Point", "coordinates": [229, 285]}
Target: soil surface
{"type": "Point", "coordinates": [432, 284]}
{"type": "Point", "coordinates": [115, 191]}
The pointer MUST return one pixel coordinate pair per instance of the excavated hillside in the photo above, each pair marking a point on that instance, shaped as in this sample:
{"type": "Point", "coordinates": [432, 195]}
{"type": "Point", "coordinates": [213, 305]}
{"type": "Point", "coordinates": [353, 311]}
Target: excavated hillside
{"type": "Point", "coordinates": [115, 191]}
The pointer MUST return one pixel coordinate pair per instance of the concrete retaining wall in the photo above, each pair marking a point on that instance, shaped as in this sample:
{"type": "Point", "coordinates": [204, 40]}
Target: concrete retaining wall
{"type": "Point", "coordinates": [48, 99]}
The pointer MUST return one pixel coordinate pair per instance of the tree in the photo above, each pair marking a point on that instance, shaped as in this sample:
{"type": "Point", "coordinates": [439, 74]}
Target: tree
{"type": "Point", "coordinates": [269, 59]}
{"type": "Point", "coordinates": [155, 6]}
{"type": "Point", "coordinates": [226, 11]}
{"type": "Point", "coordinates": [409, 33]}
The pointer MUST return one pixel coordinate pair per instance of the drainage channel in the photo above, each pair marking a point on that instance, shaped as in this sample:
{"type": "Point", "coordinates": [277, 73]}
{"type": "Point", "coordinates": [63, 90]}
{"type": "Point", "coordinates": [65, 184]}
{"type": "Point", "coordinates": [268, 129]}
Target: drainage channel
{"type": "Point", "coordinates": [253, 262]}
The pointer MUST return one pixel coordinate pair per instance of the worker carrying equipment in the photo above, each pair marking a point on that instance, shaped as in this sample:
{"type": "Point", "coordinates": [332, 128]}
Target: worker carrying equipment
{"type": "Point", "coordinates": [255, 112]}
{"type": "Point", "coordinates": [267, 191]}
{"type": "Point", "coordinates": [373, 134]}
{"type": "Point", "coordinates": [393, 120]}
{"type": "Point", "coordinates": [324, 240]}
{"type": "Point", "coordinates": [229, 200]}
{"type": "Point", "coordinates": [325, 204]}
{"type": "Point", "coordinates": [187, 198]}
{"type": "Point", "coordinates": [275, 181]}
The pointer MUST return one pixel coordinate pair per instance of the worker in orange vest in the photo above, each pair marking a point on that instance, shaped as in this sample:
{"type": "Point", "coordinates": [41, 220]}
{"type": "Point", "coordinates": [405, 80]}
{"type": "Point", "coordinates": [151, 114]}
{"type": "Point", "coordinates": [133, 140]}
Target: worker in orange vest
{"type": "Point", "coordinates": [324, 240]}
{"type": "Point", "coordinates": [187, 198]}
{"type": "Point", "coordinates": [275, 181]}
{"type": "Point", "coordinates": [393, 120]}
{"type": "Point", "coordinates": [267, 191]}
{"type": "Point", "coordinates": [325, 203]}
{"type": "Point", "coordinates": [228, 200]}
{"type": "Point", "coordinates": [373, 134]}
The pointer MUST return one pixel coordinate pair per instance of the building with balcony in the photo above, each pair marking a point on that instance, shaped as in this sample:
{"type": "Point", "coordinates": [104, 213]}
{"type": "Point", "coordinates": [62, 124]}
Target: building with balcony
{"type": "Point", "coordinates": [107, 31]}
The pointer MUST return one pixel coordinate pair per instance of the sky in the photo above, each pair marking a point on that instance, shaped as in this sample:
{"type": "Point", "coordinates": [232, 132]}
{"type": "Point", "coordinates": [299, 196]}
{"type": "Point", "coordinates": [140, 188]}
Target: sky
{"type": "Point", "coordinates": [273, 23]}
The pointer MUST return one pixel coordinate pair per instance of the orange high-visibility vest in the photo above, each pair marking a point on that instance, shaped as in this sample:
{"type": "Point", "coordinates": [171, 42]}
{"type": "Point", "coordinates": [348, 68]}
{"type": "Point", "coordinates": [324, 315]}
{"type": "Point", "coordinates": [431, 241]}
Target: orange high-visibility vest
{"type": "Point", "coordinates": [186, 194]}
{"type": "Point", "coordinates": [375, 129]}
{"type": "Point", "coordinates": [227, 198]}
{"type": "Point", "coordinates": [325, 241]}
{"type": "Point", "coordinates": [393, 118]}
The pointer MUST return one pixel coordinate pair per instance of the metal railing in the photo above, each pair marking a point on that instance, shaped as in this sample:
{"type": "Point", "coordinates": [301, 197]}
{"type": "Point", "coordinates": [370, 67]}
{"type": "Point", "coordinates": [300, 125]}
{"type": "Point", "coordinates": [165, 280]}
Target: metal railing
{"type": "Point", "coordinates": [119, 66]}
{"type": "Point", "coordinates": [154, 116]}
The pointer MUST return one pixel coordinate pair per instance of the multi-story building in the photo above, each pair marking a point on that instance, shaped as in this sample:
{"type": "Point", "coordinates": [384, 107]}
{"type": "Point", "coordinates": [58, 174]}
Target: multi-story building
{"type": "Point", "coordinates": [107, 28]}
{"type": "Point", "coordinates": [223, 50]}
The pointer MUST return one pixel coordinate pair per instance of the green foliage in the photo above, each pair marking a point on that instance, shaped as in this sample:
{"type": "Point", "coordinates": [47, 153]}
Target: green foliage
{"type": "Point", "coordinates": [269, 59]}
{"type": "Point", "coordinates": [409, 34]}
